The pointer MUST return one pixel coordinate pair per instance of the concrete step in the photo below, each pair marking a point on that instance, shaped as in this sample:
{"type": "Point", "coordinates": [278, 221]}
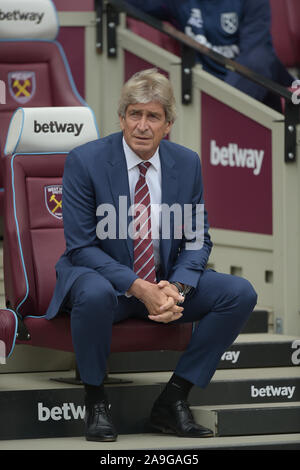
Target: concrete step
{"type": "Point", "coordinates": [140, 446]}
{"type": "Point", "coordinates": [240, 386]}
{"type": "Point", "coordinates": [51, 408]}
{"type": "Point", "coordinates": [249, 350]}
{"type": "Point", "coordinates": [239, 420]}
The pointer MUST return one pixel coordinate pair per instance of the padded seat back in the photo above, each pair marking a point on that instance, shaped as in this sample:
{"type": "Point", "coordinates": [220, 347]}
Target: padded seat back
{"type": "Point", "coordinates": [282, 33]}
{"type": "Point", "coordinates": [33, 65]}
{"type": "Point", "coordinates": [293, 9]}
{"type": "Point", "coordinates": [37, 144]}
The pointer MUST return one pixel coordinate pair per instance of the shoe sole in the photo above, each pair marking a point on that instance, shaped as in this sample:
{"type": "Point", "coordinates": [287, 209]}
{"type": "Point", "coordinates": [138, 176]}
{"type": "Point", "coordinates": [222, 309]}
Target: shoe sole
{"type": "Point", "coordinates": [164, 430]}
{"type": "Point", "coordinates": [101, 439]}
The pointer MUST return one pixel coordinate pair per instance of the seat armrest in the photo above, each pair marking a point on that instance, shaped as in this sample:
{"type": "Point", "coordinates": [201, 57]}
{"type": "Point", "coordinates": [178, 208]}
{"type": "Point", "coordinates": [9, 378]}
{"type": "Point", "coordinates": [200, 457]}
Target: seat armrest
{"type": "Point", "coordinates": [8, 333]}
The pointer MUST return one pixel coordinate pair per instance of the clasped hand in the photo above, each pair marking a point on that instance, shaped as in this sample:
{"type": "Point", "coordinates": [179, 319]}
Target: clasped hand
{"type": "Point", "coordinates": [160, 299]}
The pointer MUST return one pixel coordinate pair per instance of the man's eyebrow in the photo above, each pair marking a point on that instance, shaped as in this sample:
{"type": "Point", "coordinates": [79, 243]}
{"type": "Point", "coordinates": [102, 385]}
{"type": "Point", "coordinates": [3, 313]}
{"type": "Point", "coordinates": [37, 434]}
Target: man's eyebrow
{"type": "Point", "coordinates": [157, 114]}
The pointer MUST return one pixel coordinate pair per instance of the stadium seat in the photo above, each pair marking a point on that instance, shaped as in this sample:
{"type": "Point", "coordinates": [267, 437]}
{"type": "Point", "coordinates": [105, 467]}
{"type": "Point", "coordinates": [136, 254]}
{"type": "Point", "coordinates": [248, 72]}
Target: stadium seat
{"type": "Point", "coordinates": [293, 9]}
{"type": "Point", "coordinates": [33, 65]}
{"type": "Point", "coordinates": [284, 30]}
{"type": "Point", "coordinates": [34, 237]}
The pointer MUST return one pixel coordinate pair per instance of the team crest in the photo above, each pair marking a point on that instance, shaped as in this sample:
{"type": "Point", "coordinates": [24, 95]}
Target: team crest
{"type": "Point", "coordinates": [22, 86]}
{"type": "Point", "coordinates": [230, 22]}
{"type": "Point", "coordinates": [53, 200]}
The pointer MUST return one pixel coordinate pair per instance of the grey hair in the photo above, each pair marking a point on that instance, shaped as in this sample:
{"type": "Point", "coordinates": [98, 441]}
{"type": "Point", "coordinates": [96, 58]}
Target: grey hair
{"type": "Point", "coordinates": [145, 86]}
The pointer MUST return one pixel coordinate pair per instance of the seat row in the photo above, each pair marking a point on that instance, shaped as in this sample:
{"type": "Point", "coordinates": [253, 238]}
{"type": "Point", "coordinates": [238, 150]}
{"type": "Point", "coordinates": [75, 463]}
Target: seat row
{"type": "Point", "coordinates": [36, 123]}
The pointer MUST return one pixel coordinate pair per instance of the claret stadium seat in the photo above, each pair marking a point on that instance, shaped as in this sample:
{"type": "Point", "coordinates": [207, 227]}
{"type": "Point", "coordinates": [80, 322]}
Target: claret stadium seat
{"type": "Point", "coordinates": [293, 7]}
{"type": "Point", "coordinates": [284, 32]}
{"type": "Point", "coordinates": [34, 238]}
{"type": "Point", "coordinates": [33, 65]}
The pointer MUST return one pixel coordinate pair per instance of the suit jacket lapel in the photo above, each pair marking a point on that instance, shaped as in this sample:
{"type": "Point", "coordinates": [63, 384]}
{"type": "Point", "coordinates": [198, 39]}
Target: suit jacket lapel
{"type": "Point", "coordinates": [120, 190]}
{"type": "Point", "coordinates": [170, 183]}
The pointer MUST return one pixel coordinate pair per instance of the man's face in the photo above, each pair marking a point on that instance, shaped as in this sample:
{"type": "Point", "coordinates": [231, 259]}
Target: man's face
{"type": "Point", "coordinates": [144, 126]}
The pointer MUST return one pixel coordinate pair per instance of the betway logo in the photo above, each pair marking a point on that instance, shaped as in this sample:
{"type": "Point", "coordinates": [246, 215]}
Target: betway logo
{"type": "Point", "coordinates": [234, 156]}
{"type": "Point", "coordinates": [272, 391]}
{"type": "Point", "coordinates": [230, 356]}
{"type": "Point", "coordinates": [67, 411]}
{"type": "Point", "coordinates": [17, 15]}
{"type": "Point", "coordinates": [57, 127]}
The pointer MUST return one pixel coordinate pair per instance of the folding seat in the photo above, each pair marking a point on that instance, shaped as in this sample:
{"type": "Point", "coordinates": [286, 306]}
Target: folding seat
{"type": "Point", "coordinates": [33, 65]}
{"type": "Point", "coordinates": [282, 33]}
{"type": "Point", "coordinates": [34, 238]}
{"type": "Point", "coordinates": [293, 10]}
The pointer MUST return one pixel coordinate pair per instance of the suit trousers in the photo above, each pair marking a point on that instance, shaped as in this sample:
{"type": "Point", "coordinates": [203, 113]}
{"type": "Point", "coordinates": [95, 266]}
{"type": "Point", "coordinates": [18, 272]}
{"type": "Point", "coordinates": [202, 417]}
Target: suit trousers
{"type": "Point", "coordinates": [220, 304]}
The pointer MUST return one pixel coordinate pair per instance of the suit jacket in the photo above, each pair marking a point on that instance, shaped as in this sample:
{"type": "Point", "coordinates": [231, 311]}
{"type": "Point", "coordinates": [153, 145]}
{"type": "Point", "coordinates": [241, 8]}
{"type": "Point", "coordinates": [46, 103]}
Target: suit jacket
{"type": "Point", "coordinates": [95, 175]}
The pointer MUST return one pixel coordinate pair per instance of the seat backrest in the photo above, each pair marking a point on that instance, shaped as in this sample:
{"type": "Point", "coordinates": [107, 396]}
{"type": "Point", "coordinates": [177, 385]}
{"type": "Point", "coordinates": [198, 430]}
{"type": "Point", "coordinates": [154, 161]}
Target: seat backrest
{"type": "Point", "coordinates": [37, 144]}
{"type": "Point", "coordinates": [293, 9]}
{"type": "Point", "coordinates": [282, 35]}
{"type": "Point", "coordinates": [33, 65]}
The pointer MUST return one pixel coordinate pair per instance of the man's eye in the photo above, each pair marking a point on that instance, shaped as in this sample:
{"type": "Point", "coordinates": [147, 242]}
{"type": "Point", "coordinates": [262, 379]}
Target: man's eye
{"type": "Point", "coordinates": [134, 114]}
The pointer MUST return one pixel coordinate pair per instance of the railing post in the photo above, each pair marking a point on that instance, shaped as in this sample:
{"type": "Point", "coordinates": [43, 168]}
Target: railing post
{"type": "Point", "coordinates": [292, 118]}
{"type": "Point", "coordinates": [99, 25]}
{"type": "Point", "coordinates": [188, 60]}
{"type": "Point", "coordinates": [112, 18]}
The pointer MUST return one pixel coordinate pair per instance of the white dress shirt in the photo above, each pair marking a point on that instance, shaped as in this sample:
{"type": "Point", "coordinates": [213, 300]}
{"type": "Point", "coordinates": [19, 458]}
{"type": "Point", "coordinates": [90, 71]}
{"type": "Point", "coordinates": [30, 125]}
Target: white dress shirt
{"type": "Point", "coordinates": [153, 179]}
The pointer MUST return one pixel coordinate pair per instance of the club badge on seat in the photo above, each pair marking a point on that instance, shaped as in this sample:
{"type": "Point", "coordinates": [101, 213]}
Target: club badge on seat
{"type": "Point", "coordinates": [53, 200]}
{"type": "Point", "coordinates": [22, 86]}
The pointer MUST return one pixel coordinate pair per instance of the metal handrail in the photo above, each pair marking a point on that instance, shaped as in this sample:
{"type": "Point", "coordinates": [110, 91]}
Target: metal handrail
{"type": "Point", "coordinates": [185, 40]}
{"type": "Point", "coordinates": [190, 47]}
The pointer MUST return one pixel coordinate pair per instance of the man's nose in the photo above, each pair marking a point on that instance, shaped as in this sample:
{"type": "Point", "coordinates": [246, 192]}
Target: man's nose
{"type": "Point", "coordinates": [143, 124]}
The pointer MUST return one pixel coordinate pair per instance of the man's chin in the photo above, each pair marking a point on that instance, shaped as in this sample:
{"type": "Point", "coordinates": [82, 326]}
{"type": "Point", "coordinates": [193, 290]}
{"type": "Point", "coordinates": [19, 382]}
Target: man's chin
{"type": "Point", "coordinates": [142, 149]}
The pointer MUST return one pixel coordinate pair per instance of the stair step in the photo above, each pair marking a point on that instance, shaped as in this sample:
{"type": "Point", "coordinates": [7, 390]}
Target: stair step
{"type": "Point", "coordinates": [249, 350]}
{"type": "Point", "coordinates": [258, 322]}
{"type": "Point", "coordinates": [142, 445]}
{"type": "Point", "coordinates": [52, 408]}
{"type": "Point", "coordinates": [238, 386]}
{"type": "Point", "coordinates": [239, 420]}
{"type": "Point", "coordinates": [262, 350]}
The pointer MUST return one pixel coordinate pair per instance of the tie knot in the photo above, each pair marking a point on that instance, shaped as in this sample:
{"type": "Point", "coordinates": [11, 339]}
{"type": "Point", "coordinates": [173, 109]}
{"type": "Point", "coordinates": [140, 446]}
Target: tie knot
{"type": "Point", "coordinates": [143, 167]}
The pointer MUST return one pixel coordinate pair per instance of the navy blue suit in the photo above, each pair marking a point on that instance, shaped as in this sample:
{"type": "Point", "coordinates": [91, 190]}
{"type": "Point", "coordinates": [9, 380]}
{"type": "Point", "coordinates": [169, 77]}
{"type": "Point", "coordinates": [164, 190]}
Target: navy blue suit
{"type": "Point", "coordinates": [94, 274]}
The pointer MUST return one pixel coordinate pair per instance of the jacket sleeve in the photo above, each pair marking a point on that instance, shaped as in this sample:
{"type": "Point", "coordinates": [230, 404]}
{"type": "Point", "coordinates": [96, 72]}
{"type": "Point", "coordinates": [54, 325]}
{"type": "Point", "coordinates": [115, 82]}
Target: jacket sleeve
{"type": "Point", "coordinates": [254, 28]}
{"type": "Point", "coordinates": [256, 48]}
{"type": "Point", "coordinates": [255, 41]}
{"type": "Point", "coordinates": [79, 215]}
{"type": "Point", "coordinates": [196, 244]}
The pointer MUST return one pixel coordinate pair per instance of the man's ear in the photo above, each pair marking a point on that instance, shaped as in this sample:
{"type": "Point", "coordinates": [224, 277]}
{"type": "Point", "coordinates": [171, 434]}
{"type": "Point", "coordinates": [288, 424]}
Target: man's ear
{"type": "Point", "coordinates": [121, 119]}
{"type": "Point", "coordinates": [168, 128]}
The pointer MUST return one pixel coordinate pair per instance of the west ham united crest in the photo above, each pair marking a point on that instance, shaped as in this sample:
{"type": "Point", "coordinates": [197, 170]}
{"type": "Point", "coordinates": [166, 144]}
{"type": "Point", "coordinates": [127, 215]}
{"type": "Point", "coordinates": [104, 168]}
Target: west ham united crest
{"type": "Point", "coordinates": [230, 22]}
{"type": "Point", "coordinates": [53, 200]}
{"type": "Point", "coordinates": [22, 86]}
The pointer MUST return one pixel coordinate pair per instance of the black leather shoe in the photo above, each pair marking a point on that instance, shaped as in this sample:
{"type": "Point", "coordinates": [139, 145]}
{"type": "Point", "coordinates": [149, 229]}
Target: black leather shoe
{"type": "Point", "coordinates": [176, 418]}
{"type": "Point", "coordinates": [98, 423]}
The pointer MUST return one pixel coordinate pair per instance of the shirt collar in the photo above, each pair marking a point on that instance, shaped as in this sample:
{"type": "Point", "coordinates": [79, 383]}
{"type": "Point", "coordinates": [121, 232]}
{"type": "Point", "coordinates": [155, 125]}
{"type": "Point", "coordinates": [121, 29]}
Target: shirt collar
{"type": "Point", "coordinates": [132, 159]}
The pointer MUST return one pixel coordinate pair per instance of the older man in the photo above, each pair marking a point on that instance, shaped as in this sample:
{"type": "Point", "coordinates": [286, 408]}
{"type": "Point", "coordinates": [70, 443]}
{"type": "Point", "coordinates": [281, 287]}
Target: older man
{"type": "Point", "coordinates": [139, 268]}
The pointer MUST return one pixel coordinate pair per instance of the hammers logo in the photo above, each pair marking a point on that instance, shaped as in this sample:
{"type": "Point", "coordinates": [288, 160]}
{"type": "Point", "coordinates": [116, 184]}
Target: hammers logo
{"type": "Point", "coordinates": [53, 200]}
{"type": "Point", "coordinates": [230, 22]}
{"type": "Point", "coordinates": [22, 86]}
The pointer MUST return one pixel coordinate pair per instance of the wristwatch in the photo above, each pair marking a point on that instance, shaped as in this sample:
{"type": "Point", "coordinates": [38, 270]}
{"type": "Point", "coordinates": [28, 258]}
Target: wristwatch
{"type": "Point", "coordinates": [183, 290]}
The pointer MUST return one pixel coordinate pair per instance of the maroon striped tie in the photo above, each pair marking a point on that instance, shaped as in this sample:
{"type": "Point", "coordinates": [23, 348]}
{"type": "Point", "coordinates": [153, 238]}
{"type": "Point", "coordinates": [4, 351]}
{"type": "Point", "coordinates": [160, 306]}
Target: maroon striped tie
{"type": "Point", "coordinates": [143, 255]}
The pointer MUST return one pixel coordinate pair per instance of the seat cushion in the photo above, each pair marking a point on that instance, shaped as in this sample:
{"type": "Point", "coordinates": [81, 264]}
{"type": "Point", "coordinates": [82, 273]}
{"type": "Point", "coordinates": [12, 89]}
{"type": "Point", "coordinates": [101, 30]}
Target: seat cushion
{"type": "Point", "coordinates": [128, 336]}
